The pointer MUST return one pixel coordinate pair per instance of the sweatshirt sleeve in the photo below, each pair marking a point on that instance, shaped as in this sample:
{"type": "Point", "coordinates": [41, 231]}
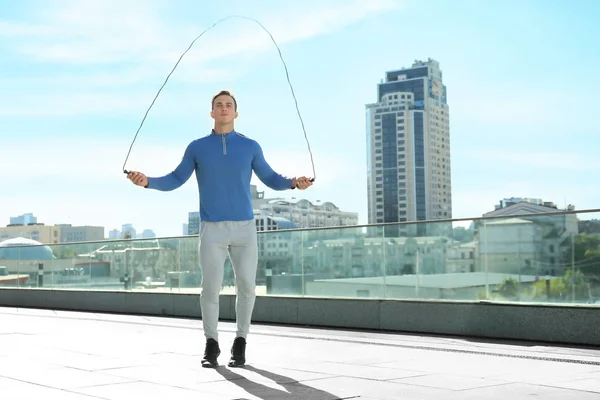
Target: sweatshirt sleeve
{"type": "Point", "coordinates": [179, 176]}
{"type": "Point", "coordinates": [266, 174]}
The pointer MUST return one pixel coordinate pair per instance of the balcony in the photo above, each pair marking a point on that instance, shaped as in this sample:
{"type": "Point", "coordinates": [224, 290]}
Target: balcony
{"type": "Point", "coordinates": [530, 278]}
{"type": "Point", "coordinates": [65, 355]}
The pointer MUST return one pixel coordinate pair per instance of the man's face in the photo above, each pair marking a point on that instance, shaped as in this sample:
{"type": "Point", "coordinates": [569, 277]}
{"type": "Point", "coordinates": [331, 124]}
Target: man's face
{"type": "Point", "coordinates": [224, 109]}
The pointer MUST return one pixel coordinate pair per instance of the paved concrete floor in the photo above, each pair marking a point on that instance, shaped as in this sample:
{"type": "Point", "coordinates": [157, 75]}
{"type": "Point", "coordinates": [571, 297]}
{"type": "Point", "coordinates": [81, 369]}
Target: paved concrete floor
{"type": "Point", "coordinates": [47, 354]}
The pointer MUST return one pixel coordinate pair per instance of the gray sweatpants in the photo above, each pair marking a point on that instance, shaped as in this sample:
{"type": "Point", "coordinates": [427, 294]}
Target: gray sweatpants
{"type": "Point", "coordinates": [239, 240]}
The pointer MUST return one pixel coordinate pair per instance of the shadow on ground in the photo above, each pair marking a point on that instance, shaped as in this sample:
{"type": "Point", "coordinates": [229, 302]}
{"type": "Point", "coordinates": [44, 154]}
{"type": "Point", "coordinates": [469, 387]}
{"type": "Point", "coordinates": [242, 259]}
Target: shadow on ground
{"type": "Point", "coordinates": [294, 389]}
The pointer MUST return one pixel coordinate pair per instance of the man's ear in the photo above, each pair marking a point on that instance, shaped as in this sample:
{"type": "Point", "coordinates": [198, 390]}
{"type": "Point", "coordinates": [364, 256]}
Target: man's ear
{"type": "Point", "coordinates": [235, 115]}
{"type": "Point", "coordinates": [212, 114]}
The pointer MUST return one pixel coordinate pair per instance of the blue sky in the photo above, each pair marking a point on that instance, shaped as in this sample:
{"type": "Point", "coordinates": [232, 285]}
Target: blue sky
{"type": "Point", "coordinates": [76, 78]}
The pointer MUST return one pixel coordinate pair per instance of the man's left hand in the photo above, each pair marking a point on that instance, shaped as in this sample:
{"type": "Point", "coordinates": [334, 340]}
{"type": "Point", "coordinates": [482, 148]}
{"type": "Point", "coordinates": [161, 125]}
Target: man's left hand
{"type": "Point", "coordinates": [301, 183]}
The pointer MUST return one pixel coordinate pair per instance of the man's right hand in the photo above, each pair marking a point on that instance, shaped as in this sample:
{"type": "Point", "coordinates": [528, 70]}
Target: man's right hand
{"type": "Point", "coordinates": [138, 178]}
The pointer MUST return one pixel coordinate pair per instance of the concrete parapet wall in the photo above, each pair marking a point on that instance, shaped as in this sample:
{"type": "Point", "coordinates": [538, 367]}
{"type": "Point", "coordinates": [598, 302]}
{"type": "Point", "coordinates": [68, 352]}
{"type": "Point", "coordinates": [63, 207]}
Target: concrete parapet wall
{"type": "Point", "coordinates": [548, 323]}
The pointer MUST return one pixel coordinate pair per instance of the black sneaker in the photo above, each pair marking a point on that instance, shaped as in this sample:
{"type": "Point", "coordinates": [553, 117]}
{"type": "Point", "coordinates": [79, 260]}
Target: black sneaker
{"type": "Point", "coordinates": [211, 352]}
{"type": "Point", "coordinates": [238, 352]}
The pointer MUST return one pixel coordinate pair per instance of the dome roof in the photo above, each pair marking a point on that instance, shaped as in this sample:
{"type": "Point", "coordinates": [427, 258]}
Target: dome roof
{"type": "Point", "coordinates": [283, 223]}
{"type": "Point", "coordinates": [24, 249]}
{"type": "Point", "coordinates": [20, 241]}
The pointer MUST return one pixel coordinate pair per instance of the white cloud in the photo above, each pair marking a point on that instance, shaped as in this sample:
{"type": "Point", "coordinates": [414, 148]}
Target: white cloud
{"type": "Point", "coordinates": [300, 21]}
{"type": "Point", "coordinates": [470, 200]}
{"type": "Point", "coordinates": [475, 200]}
{"type": "Point", "coordinates": [329, 167]}
{"type": "Point", "coordinates": [97, 158]}
{"type": "Point", "coordinates": [82, 182]}
{"type": "Point", "coordinates": [94, 158]}
{"type": "Point", "coordinates": [148, 37]}
{"type": "Point", "coordinates": [104, 103]}
{"type": "Point", "coordinates": [116, 56]}
{"type": "Point", "coordinates": [123, 51]}
{"type": "Point", "coordinates": [524, 107]}
{"type": "Point", "coordinates": [551, 161]}
{"type": "Point", "coordinates": [70, 104]}
{"type": "Point", "coordinates": [98, 33]}
{"type": "Point", "coordinates": [16, 29]}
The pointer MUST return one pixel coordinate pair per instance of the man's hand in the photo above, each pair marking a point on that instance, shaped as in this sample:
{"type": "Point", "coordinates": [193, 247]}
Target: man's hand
{"type": "Point", "coordinates": [138, 178]}
{"type": "Point", "coordinates": [301, 183]}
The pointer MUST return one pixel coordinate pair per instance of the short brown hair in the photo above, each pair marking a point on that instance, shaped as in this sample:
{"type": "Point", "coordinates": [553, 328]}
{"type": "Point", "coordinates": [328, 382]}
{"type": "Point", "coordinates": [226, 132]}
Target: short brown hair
{"type": "Point", "coordinates": [224, 93]}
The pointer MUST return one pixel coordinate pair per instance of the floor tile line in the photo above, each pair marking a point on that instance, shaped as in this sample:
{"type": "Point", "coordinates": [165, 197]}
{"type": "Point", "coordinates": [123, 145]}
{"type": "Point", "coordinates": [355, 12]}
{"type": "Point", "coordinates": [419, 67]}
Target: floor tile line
{"type": "Point", "coordinates": [341, 340]}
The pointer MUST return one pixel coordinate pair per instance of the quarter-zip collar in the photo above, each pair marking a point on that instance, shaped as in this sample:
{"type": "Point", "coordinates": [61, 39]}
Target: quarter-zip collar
{"type": "Point", "coordinates": [224, 138]}
{"type": "Point", "coordinates": [212, 132]}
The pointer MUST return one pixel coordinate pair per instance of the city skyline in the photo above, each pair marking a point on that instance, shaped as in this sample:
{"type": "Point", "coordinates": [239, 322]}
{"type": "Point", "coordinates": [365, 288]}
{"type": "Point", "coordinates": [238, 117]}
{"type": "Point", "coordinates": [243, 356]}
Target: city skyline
{"type": "Point", "coordinates": [264, 208]}
{"type": "Point", "coordinates": [77, 78]}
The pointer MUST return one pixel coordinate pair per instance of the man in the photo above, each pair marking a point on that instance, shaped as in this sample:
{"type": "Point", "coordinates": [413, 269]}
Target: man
{"type": "Point", "coordinates": [223, 162]}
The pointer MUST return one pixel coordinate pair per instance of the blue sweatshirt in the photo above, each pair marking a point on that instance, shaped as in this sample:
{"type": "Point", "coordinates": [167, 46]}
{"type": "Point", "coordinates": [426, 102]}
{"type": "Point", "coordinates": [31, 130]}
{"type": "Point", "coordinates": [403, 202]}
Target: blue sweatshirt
{"type": "Point", "coordinates": [223, 164]}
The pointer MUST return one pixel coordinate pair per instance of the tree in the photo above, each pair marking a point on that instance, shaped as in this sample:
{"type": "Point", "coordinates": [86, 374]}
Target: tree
{"type": "Point", "coordinates": [584, 243]}
{"type": "Point", "coordinates": [587, 255]}
{"type": "Point", "coordinates": [589, 226]}
{"type": "Point", "coordinates": [509, 288]}
{"type": "Point", "coordinates": [462, 234]}
{"type": "Point", "coordinates": [562, 288]}
{"type": "Point", "coordinates": [590, 266]}
{"type": "Point", "coordinates": [408, 269]}
{"type": "Point", "coordinates": [64, 253]}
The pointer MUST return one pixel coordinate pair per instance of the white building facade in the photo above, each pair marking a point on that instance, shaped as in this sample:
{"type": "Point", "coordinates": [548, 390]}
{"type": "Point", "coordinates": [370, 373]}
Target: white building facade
{"type": "Point", "coordinates": [305, 214]}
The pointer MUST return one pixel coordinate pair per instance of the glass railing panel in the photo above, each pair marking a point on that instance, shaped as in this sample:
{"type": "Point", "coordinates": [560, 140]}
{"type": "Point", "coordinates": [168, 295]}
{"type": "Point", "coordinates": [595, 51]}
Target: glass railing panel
{"type": "Point", "coordinates": [15, 270]}
{"type": "Point", "coordinates": [281, 263]}
{"type": "Point", "coordinates": [185, 276]}
{"type": "Point", "coordinates": [344, 262]}
{"type": "Point", "coordinates": [139, 264]}
{"type": "Point", "coordinates": [542, 258]}
{"type": "Point", "coordinates": [433, 260]}
{"type": "Point", "coordinates": [551, 258]}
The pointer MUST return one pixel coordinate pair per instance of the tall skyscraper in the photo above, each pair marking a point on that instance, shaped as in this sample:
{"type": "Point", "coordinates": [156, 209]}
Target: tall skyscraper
{"type": "Point", "coordinates": [148, 234]}
{"type": "Point", "coordinates": [408, 149]}
{"type": "Point", "coordinates": [193, 223]}
{"type": "Point", "coordinates": [25, 219]}
{"type": "Point", "coordinates": [128, 230]}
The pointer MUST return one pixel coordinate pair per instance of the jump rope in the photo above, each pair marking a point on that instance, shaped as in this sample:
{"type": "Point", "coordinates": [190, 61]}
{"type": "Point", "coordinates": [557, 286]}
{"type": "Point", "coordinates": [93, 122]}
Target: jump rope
{"type": "Point", "coordinates": [180, 58]}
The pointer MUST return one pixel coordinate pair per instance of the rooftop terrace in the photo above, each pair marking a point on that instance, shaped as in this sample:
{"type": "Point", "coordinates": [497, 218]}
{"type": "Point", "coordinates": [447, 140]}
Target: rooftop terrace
{"type": "Point", "coordinates": [48, 354]}
{"type": "Point", "coordinates": [121, 319]}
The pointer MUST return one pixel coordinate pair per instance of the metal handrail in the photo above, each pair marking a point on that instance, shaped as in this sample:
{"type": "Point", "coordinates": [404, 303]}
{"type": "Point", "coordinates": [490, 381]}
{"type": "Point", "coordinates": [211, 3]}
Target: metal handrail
{"type": "Point", "coordinates": [436, 221]}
